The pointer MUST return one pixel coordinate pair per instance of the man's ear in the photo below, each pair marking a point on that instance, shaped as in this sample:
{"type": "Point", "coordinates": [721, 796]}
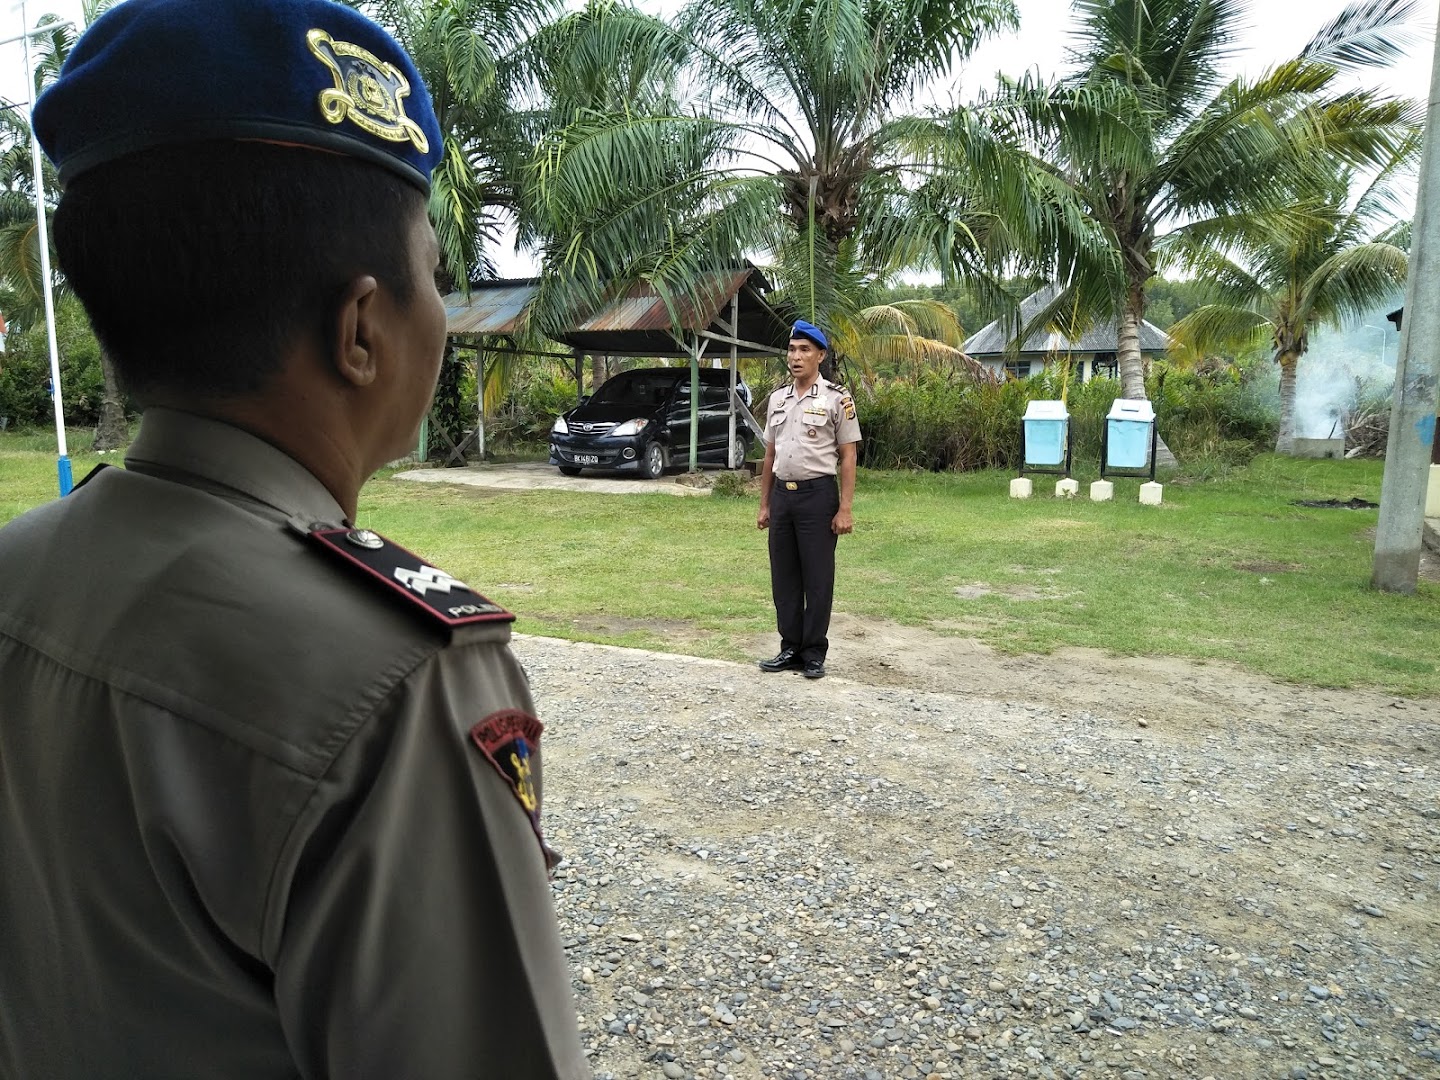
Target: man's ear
{"type": "Point", "coordinates": [357, 332]}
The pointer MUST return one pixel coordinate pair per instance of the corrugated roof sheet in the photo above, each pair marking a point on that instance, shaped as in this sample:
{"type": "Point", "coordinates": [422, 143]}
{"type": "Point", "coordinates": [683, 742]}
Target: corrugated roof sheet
{"type": "Point", "coordinates": [1102, 337]}
{"type": "Point", "coordinates": [642, 308]}
{"type": "Point", "coordinates": [491, 308]}
{"type": "Point", "coordinates": [496, 307]}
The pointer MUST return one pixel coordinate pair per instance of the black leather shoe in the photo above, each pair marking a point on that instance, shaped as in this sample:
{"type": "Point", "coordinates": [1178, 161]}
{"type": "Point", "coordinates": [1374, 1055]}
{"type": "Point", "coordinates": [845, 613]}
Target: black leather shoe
{"type": "Point", "coordinates": [814, 669]}
{"type": "Point", "coordinates": [784, 660]}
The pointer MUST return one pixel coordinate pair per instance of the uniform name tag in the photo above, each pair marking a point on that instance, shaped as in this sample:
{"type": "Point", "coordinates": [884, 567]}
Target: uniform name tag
{"type": "Point", "coordinates": [428, 589]}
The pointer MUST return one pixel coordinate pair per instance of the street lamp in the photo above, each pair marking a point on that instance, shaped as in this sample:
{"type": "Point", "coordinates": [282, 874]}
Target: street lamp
{"type": "Point", "coordinates": [62, 463]}
{"type": "Point", "coordinates": [1382, 341]}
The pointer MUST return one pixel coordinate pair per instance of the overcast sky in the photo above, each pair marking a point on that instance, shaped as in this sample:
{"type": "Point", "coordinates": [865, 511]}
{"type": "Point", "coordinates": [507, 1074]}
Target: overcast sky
{"type": "Point", "coordinates": [1277, 30]}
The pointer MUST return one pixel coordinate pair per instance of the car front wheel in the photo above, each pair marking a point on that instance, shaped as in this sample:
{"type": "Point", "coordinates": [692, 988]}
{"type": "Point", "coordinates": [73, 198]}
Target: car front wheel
{"type": "Point", "coordinates": [739, 452]}
{"type": "Point", "coordinates": [652, 461]}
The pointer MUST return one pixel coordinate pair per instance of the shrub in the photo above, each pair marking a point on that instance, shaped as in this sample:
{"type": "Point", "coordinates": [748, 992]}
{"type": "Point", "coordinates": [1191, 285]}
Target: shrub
{"type": "Point", "coordinates": [25, 371]}
{"type": "Point", "coordinates": [731, 485]}
{"type": "Point", "coordinates": [945, 421]}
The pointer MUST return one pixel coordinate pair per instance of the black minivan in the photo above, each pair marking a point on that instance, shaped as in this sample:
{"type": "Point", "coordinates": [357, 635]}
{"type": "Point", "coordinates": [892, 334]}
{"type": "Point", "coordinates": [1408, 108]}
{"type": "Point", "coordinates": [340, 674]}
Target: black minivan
{"type": "Point", "coordinates": [639, 421]}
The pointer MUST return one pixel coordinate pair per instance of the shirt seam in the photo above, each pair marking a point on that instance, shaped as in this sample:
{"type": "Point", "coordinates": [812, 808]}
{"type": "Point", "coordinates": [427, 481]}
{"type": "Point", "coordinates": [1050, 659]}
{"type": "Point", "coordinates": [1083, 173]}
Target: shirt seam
{"type": "Point", "coordinates": [363, 721]}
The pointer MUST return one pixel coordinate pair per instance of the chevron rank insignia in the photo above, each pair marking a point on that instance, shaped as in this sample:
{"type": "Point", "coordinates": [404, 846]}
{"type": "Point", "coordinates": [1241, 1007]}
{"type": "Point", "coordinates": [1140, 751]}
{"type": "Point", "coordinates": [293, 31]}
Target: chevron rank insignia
{"type": "Point", "coordinates": [403, 573]}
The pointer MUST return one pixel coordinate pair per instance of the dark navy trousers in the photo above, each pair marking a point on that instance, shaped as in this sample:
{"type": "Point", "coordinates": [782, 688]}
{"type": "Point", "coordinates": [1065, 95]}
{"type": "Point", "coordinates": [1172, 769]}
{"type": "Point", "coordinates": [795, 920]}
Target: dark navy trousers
{"type": "Point", "coordinates": [802, 563]}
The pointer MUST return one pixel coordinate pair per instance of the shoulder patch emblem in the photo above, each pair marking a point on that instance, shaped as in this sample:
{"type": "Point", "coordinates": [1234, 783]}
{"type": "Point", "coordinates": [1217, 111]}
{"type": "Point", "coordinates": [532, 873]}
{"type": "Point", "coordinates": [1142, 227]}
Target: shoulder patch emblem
{"type": "Point", "coordinates": [443, 598]}
{"type": "Point", "coordinates": [367, 91]}
{"type": "Point", "coordinates": [849, 404]}
{"type": "Point", "coordinates": [507, 739]}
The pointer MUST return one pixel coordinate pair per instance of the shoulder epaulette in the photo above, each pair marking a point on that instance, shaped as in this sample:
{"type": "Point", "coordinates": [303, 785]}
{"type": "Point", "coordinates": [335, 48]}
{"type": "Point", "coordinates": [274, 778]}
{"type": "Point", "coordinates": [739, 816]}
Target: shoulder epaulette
{"type": "Point", "coordinates": [427, 589]}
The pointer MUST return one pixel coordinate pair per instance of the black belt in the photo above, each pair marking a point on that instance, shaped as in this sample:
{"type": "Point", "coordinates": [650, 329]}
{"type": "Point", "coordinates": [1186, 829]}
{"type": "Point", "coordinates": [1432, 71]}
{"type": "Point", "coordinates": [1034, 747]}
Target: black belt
{"type": "Point", "coordinates": [796, 485]}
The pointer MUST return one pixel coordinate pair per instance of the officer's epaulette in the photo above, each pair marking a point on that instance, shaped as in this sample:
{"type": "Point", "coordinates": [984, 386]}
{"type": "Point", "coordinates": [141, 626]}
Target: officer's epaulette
{"type": "Point", "coordinates": [402, 573]}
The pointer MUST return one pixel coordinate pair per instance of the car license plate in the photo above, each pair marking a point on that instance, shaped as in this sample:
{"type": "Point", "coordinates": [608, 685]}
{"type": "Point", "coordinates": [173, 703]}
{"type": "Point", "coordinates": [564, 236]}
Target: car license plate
{"type": "Point", "coordinates": [587, 459]}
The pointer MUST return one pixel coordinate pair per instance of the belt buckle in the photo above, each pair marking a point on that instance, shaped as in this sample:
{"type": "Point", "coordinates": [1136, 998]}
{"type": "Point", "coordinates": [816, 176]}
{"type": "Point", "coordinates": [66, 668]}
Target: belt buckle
{"type": "Point", "coordinates": [791, 485]}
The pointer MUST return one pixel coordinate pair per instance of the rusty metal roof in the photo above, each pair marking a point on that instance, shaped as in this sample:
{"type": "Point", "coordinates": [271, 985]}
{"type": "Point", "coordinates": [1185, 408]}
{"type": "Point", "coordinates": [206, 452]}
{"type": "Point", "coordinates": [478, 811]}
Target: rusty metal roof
{"type": "Point", "coordinates": [491, 308]}
{"type": "Point", "coordinates": [637, 323]}
{"type": "Point", "coordinates": [642, 308]}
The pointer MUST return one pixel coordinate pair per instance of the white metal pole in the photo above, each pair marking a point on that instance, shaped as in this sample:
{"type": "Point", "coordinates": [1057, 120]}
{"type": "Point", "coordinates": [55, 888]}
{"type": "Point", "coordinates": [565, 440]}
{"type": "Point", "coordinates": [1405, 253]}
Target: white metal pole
{"type": "Point", "coordinates": [734, 356]}
{"type": "Point", "coordinates": [62, 462]}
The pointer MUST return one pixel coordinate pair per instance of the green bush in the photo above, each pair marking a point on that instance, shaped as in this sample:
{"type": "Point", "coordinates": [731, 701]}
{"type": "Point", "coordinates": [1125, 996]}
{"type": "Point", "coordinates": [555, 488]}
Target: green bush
{"type": "Point", "coordinates": [25, 371]}
{"type": "Point", "coordinates": [731, 485]}
{"type": "Point", "coordinates": [944, 421]}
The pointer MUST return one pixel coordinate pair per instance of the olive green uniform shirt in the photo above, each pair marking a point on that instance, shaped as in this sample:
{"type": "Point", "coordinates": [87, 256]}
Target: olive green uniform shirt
{"type": "Point", "coordinates": [808, 429]}
{"type": "Point", "coordinates": [243, 832]}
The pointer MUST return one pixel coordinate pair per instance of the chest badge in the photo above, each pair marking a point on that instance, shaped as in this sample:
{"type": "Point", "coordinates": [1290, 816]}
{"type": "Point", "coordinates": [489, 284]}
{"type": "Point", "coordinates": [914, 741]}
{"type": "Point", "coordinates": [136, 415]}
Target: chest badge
{"type": "Point", "coordinates": [367, 91]}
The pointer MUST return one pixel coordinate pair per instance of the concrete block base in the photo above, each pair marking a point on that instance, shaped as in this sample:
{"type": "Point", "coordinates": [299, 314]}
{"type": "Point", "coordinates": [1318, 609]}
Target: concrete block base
{"type": "Point", "coordinates": [1151, 493]}
{"type": "Point", "coordinates": [1020, 487]}
{"type": "Point", "coordinates": [1432, 493]}
{"type": "Point", "coordinates": [1102, 491]}
{"type": "Point", "coordinates": [1067, 488]}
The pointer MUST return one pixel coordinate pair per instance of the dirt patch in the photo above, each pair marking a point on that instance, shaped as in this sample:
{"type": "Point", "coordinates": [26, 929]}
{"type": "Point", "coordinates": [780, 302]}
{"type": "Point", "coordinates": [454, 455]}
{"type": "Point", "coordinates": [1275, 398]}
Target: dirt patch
{"type": "Point", "coordinates": [1337, 504]}
{"type": "Point", "coordinates": [1007, 592]}
{"type": "Point", "coordinates": [1154, 688]}
{"type": "Point", "coordinates": [672, 630]}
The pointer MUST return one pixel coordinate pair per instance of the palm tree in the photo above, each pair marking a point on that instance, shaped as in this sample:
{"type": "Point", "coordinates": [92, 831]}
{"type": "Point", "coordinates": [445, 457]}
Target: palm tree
{"type": "Point", "coordinates": [1211, 161]}
{"type": "Point", "coordinates": [1275, 290]}
{"type": "Point", "coordinates": [467, 52]}
{"type": "Point", "coordinates": [792, 143]}
{"type": "Point", "coordinates": [19, 235]}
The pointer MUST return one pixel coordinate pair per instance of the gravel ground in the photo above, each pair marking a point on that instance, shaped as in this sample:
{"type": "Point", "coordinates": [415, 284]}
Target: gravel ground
{"type": "Point", "coordinates": [770, 877]}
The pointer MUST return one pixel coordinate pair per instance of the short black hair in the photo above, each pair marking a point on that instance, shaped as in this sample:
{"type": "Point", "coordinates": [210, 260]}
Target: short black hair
{"type": "Point", "coordinates": [200, 265]}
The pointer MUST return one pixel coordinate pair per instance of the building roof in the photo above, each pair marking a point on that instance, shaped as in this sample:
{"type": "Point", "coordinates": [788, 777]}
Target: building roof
{"type": "Point", "coordinates": [994, 339]}
{"type": "Point", "coordinates": [637, 323]}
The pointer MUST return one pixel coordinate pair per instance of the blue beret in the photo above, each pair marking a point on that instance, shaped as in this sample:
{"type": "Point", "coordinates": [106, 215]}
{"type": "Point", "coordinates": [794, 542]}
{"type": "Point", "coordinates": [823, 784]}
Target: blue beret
{"type": "Point", "coordinates": [310, 73]}
{"type": "Point", "coordinates": [811, 331]}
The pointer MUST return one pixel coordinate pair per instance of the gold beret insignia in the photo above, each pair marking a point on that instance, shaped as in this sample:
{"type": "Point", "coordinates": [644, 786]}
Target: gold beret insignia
{"type": "Point", "coordinates": [367, 91]}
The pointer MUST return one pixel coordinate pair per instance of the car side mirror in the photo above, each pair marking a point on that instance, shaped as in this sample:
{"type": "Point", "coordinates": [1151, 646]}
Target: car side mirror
{"type": "Point", "coordinates": [585, 397]}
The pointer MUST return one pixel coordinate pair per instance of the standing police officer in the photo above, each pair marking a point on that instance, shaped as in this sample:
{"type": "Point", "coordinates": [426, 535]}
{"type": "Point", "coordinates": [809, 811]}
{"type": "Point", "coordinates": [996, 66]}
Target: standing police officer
{"type": "Point", "coordinates": [811, 435]}
{"type": "Point", "coordinates": [271, 784]}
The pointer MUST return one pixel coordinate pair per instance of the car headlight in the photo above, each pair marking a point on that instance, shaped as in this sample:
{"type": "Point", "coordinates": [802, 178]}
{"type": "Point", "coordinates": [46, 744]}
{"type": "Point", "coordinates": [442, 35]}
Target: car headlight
{"type": "Point", "coordinates": [560, 428]}
{"type": "Point", "coordinates": [630, 427]}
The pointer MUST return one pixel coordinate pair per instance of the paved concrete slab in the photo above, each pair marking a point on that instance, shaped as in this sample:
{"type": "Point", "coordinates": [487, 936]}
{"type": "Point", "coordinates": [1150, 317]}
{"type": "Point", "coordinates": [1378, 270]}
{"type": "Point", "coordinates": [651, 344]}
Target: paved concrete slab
{"type": "Point", "coordinates": [534, 476]}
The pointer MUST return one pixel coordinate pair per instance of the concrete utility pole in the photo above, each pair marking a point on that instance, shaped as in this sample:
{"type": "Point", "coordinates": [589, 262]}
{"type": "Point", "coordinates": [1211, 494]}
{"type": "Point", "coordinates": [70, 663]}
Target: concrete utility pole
{"type": "Point", "coordinates": [1417, 379]}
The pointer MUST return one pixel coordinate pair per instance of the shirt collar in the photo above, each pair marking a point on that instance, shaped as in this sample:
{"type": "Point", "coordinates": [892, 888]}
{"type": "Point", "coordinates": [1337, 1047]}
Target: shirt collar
{"type": "Point", "coordinates": [224, 455]}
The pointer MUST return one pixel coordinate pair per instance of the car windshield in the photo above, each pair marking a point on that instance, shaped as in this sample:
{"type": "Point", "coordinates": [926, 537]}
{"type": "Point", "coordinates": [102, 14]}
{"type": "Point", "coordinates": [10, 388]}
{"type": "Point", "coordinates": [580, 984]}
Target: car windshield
{"type": "Point", "coordinates": [646, 390]}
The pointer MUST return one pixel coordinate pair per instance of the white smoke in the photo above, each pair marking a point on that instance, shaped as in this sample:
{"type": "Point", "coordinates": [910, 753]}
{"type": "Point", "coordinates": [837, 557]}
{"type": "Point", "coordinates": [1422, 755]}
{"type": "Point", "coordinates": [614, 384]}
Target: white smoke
{"type": "Point", "coordinates": [1340, 365]}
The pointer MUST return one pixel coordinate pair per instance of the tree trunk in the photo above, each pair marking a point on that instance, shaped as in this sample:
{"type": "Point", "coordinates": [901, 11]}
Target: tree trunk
{"type": "Point", "coordinates": [597, 372]}
{"type": "Point", "coordinates": [1132, 364]}
{"type": "Point", "coordinates": [1127, 345]}
{"type": "Point", "coordinates": [112, 432]}
{"type": "Point", "coordinates": [1285, 440]}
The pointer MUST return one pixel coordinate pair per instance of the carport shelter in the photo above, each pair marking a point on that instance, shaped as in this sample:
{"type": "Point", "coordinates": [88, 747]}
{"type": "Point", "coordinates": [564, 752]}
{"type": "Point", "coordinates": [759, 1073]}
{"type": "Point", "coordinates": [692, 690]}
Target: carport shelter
{"type": "Point", "coordinates": [728, 312]}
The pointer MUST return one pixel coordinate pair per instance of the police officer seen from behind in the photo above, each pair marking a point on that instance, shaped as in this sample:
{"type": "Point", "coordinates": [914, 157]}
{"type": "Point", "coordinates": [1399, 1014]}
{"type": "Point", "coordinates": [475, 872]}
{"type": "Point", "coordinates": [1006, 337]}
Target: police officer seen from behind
{"type": "Point", "coordinates": [807, 484]}
{"type": "Point", "coordinates": [269, 784]}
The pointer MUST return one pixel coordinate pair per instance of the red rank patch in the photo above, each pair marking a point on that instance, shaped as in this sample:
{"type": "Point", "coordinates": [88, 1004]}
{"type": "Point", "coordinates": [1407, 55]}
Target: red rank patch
{"type": "Point", "coordinates": [508, 739]}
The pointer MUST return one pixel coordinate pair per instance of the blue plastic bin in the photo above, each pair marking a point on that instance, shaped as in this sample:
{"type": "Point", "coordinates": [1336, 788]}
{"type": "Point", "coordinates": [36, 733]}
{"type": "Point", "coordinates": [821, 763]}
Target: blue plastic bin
{"type": "Point", "coordinates": [1130, 424]}
{"type": "Point", "coordinates": [1046, 428]}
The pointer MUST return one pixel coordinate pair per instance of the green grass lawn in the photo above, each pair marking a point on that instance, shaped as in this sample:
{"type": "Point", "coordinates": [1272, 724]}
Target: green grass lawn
{"type": "Point", "coordinates": [1226, 569]}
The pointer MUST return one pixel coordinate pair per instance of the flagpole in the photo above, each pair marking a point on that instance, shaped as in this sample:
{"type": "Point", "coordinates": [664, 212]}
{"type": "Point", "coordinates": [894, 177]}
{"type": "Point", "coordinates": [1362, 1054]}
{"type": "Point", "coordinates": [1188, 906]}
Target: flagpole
{"type": "Point", "coordinates": [62, 462]}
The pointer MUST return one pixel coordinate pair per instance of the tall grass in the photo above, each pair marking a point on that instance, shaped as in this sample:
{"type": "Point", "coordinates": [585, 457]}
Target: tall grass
{"type": "Point", "coordinates": [946, 422]}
